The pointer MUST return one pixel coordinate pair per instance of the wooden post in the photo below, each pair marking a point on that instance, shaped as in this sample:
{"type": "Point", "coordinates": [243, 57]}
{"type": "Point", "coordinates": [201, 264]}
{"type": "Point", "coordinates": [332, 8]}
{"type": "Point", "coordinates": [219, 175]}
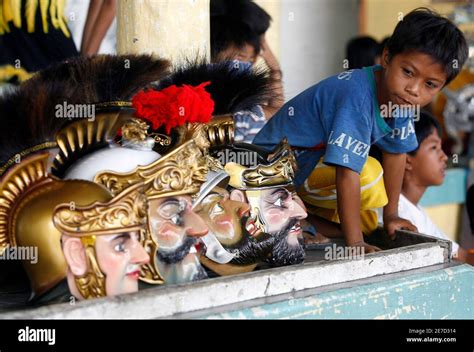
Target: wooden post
{"type": "Point", "coordinates": [173, 29]}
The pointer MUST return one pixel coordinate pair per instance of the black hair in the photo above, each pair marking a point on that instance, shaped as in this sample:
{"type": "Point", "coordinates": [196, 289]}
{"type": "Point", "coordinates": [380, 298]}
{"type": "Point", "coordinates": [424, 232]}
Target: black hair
{"type": "Point", "coordinates": [361, 52]}
{"type": "Point", "coordinates": [244, 10]}
{"type": "Point", "coordinates": [428, 32]}
{"type": "Point", "coordinates": [227, 31]}
{"type": "Point", "coordinates": [28, 113]}
{"type": "Point", "coordinates": [219, 7]}
{"type": "Point", "coordinates": [425, 125]}
{"type": "Point", "coordinates": [255, 17]}
{"type": "Point", "coordinates": [382, 45]}
{"type": "Point", "coordinates": [231, 89]}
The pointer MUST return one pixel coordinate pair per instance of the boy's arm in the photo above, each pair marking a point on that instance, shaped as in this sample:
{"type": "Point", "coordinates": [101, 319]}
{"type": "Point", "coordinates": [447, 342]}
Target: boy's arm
{"type": "Point", "coordinates": [348, 207]}
{"type": "Point", "coordinates": [100, 17]}
{"type": "Point", "coordinates": [393, 170]}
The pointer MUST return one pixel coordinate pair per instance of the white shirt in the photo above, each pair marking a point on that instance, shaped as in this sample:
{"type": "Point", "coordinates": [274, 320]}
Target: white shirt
{"type": "Point", "coordinates": [418, 217]}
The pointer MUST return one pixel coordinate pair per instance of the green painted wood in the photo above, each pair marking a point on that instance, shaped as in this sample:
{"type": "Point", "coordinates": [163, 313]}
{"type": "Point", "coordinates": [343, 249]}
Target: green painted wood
{"type": "Point", "coordinates": [441, 294]}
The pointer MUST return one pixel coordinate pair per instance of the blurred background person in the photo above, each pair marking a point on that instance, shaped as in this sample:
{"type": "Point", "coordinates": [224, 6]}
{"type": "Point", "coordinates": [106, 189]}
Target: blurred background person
{"type": "Point", "coordinates": [100, 17]}
{"type": "Point", "coordinates": [362, 52]}
{"type": "Point", "coordinates": [238, 33]}
{"type": "Point", "coordinates": [33, 36]}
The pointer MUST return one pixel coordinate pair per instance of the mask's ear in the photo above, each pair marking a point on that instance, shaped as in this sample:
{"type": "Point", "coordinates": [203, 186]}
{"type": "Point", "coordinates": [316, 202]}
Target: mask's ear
{"type": "Point", "coordinates": [238, 196]}
{"type": "Point", "coordinates": [75, 255]}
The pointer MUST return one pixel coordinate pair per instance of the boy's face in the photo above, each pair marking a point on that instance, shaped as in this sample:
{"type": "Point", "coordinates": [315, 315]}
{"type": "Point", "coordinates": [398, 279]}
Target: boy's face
{"type": "Point", "coordinates": [412, 78]}
{"type": "Point", "coordinates": [428, 165]}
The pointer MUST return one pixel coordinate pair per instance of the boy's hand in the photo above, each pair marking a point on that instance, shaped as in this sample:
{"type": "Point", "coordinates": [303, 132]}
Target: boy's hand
{"type": "Point", "coordinates": [367, 247]}
{"type": "Point", "coordinates": [269, 58]}
{"type": "Point", "coordinates": [394, 222]}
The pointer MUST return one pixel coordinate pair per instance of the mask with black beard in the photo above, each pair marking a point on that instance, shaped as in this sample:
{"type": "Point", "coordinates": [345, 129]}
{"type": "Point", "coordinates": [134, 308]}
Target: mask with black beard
{"type": "Point", "coordinates": [251, 250]}
{"type": "Point", "coordinates": [282, 252]}
{"type": "Point", "coordinates": [177, 255]}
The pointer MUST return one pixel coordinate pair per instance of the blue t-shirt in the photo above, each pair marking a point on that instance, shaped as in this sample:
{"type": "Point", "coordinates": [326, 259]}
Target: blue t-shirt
{"type": "Point", "coordinates": [339, 118]}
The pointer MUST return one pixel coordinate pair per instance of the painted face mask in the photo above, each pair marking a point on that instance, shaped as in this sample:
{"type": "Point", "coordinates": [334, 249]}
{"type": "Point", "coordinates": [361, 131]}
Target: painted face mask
{"type": "Point", "coordinates": [101, 244]}
{"type": "Point", "coordinates": [85, 211]}
{"type": "Point", "coordinates": [177, 229]}
{"type": "Point", "coordinates": [228, 247]}
{"type": "Point", "coordinates": [88, 150]}
{"type": "Point", "coordinates": [255, 217]}
{"type": "Point", "coordinates": [26, 153]}
{"type": "Point", "coordinates": [169, 181]}
{"type": "Point", "coordinates": [275, 209]}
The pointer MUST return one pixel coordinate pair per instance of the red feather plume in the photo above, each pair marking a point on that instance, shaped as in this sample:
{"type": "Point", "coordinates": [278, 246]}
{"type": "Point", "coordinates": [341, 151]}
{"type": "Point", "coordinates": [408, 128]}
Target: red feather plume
{"type": "Point", "coordinates": [174, 106]}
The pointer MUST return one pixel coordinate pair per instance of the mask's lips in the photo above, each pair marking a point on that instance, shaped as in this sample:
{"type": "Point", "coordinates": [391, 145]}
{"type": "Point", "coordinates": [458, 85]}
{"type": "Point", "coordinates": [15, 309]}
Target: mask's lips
{"type": "Point", "coordinates": [251, 228]}
{"type": "Point", "coordinates": [296, 229]}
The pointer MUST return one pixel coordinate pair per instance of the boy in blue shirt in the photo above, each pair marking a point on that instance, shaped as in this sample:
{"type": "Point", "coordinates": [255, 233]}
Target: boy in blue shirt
{"type": "Point", "coordinates": [336, 121]}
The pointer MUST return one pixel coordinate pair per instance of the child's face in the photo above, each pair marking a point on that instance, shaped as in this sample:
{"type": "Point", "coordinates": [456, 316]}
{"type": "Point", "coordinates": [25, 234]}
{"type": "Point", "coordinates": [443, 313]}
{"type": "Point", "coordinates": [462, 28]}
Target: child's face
{"type": "Point", "coordinates": [412, 78]}
{"type": "Point", "coordinates": [428, 166]}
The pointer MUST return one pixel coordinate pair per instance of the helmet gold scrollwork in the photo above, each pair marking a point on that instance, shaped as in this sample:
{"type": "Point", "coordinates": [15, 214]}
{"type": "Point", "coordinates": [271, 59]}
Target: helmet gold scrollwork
{"type": "Point", "coordinates": [28, 195]}
{"type": "Point", "coordinates": [279, 171]}
{"type": "Point", "coordinates": [127, 212]}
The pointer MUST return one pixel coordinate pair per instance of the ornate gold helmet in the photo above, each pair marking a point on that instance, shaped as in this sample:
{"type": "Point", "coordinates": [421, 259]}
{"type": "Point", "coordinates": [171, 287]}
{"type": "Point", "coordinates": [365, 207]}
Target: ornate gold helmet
{"type": "Point", "coordinates": [180, 170]}
{"type": "Point", "coordinates": [181, 165]}
{"type": "Point", "coordinates": [32, 125]}
{"type": "Point", "coordinates": [278, 170]}
{"type": "Point", "coordinates": [28, 197]}
{"type": "Point", "coordinates": [127, 212]}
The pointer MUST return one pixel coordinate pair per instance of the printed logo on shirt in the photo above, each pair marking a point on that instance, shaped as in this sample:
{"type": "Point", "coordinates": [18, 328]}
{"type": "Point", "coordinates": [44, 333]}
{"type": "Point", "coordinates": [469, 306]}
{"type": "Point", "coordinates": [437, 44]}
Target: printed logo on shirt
{"type": "Point", "coordinates": [349, 143]}
{"type": "Point", "coordinates": [404, 132]}
{"type": "Point", "coordinates": [346, 75]}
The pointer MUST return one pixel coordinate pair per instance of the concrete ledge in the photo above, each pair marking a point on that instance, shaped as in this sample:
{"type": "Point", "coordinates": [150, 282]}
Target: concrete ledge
{"type": "Point", "coordinates": [167, 301]}
{"type": "Point", "coordinates": [436, 292]}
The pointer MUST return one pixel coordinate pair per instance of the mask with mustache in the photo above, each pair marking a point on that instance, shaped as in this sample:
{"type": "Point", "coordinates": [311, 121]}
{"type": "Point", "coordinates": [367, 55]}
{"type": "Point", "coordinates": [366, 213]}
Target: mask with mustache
{"type": "Point", "coordinates": [251, 250]}
{"type": "Point", "coordinates": [178, 254]}
{"type": "Point", "coordinates": [271, 248]}
{"type": "Point", "coordinates": [282, 252]}
{"type": "Point", "coordinates": [190, 271]}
